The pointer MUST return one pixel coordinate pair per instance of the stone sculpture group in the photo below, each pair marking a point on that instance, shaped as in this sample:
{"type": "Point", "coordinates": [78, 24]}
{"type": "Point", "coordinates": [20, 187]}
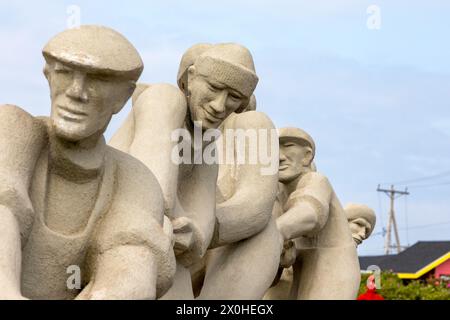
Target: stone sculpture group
{"type": "Point", "coordinates": [159, 213]}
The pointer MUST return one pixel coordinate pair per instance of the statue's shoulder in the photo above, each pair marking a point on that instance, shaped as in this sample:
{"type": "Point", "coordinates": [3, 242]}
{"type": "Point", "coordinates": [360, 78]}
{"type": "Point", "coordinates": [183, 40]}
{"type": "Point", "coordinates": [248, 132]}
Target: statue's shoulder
{"type": "Point", "coordinates": [131, 173]}
{"type": "Point", "coordinates": [13, 118]}
{"type": "Point", "coordinates": [252, 119]}
{"type": "Point", "coordinates": [312, 185]}
{"type": "Point", "coordinates": [314, 180]}
{"type": "Point", "coordinates": [163, 88]}
{"type": "Point", "coordinates": [13, 110]}
{"type": "Point", "coordinates": [137, 201]}
{"type": "Point", "coordinates": [14, 115]}
{"type": "Point", "coordinates": [164, 94]}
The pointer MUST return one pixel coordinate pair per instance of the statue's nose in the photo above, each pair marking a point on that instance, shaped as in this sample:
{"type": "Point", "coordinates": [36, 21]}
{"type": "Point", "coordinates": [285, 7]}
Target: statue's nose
{"type": "Point", "coordinates": [77, 90]}
{"type": "Point", "coordinates": [218, 104]}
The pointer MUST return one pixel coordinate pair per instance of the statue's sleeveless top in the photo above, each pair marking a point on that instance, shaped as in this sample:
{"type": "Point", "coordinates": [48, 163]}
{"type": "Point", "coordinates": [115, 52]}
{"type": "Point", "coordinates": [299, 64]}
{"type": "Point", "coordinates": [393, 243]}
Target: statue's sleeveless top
{"type": "Point", "coordinates": [47, 254]}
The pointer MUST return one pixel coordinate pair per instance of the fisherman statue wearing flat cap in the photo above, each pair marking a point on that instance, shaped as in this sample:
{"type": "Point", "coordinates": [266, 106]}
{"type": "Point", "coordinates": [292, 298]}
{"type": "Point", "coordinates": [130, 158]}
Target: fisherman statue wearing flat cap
{"type": "Point", "coordinates": [67, 200]}
{"type": "Point", "coordinates": [361, 220]}
{"type": "Point", "coordinates": [216, 83]}
{"type": "Point", "coordinates": [313, 224]}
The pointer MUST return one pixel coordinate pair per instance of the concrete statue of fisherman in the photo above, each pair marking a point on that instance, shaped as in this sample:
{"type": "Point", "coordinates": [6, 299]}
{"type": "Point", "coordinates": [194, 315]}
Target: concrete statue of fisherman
{"type": "Point", "coordinates": [361, 220]}
{"type": "Point", "coordinates": [215, 81]}
{"type": "Point", "coordinates": [313, 224]}
{"type": "Point", "coordinates": [67, 200]}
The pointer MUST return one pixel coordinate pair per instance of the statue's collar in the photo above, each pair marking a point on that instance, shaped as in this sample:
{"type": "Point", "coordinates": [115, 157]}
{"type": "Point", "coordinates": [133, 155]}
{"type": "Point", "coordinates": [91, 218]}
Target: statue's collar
{"type": "Point", "coordinates": [74, 162]}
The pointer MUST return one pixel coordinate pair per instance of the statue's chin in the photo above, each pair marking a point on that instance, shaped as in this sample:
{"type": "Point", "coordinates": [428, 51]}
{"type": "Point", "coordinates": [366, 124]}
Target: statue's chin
{"type": "Point", "coordinates": [287, 178]}
{"type": "Point", "coordinates": [69, 132]}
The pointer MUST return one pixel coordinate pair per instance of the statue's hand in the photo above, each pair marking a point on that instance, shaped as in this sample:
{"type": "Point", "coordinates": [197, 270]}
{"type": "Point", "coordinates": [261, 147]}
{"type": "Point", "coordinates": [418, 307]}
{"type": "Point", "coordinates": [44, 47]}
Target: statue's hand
{"type": "Point", "coordinates": [288, 255]}
{"type": "Point", "coordinates": [189, 244]}
{"type": "Point", "coordinates": [183, 234]}
{"type": "Point", "coordinates": [168, 229]}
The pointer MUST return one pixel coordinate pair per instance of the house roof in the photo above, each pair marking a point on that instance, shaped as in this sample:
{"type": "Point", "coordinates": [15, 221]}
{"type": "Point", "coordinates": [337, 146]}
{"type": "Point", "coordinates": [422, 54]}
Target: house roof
{"type": "Point", "coordinates": [413, 262]}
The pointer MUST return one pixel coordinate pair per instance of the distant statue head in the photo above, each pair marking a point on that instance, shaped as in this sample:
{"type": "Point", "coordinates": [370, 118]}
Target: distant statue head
{"type": "Point", "coordinates": [217, 80]}
{"type": "Point", "coordinates": [297, 151]}
{"type": "Point", "coordinates": [92, 72]}
{"type": "Point", "coordinates": [361, 221]}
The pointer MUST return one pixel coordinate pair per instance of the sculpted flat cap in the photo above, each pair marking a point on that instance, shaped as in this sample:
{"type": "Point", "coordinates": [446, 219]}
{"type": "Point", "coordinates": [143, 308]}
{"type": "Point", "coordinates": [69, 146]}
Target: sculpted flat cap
{"type": "Point", "coordinates": [299, 135]}
{"type": "Point", "coordinates": [96, 47]}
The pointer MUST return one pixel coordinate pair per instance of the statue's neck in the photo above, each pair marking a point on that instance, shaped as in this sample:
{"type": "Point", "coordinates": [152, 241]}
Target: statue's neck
{"type": "Point", "coordinates": [292, 185]}
{"type": "Point", "coordinates": [77, 161]}
{"type": "Point", "coordinates": [196, 132]}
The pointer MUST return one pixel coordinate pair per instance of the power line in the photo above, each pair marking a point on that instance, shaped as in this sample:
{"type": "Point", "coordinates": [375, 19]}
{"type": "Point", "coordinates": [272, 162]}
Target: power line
{"type": "Point", "coordinates": [417, 227]}
{"type": "Point", "coordinates": [434, 176]}
{"type": "Point", "coordinates": [431, 185]}
{"type": "Point", "coordinates": [430, 225]}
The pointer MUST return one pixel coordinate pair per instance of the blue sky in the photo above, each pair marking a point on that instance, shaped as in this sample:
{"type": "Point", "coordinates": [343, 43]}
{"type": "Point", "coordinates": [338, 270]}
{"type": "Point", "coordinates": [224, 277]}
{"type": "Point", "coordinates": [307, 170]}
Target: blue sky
{"type": "Point", "coordinates": [375, 101]}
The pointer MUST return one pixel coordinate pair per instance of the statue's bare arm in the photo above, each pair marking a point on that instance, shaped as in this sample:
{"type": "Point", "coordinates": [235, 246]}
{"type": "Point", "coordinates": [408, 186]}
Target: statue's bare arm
{"type": "Point", "coordinates": [309, 210]}
{"type": "Point", "coordinates": [18, 156]}
{"type": "Point", "coordinates": [157, 112]}
{"type": "Point", "coordinates": [195, 209]}
{"type": "Point", "coordinates": [248, 211]}
{"type": "Point", "coordinates": [10, 255]}
{"type": "Point", "coordinates": [123, 272]}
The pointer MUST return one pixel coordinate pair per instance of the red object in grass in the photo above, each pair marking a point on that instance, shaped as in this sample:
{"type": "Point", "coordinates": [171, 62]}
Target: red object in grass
{"type": "Point", "coordinates": [370, 294]}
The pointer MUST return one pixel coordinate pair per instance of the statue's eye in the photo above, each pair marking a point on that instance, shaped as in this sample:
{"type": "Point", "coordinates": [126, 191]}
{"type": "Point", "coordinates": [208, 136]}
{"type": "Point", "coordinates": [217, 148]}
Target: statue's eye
{"type": "Point", "coordinates": [59, 68]}
{"type": "Point", "coordinates": [213, 87]}
{"type": "Point", "coordinates": [289, 144]}
{"type": "Point", "coordinates": [100, 77]}
{"type": "Point", "coordinates": [235, 96]}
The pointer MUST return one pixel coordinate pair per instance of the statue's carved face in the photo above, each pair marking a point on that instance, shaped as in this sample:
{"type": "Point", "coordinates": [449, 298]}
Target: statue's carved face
{"type": "Point", "coordinates": [83, 101]}
{"type": "Point", "coordinates": [360, 229]}
{"type": "Point", "coordinates": [294, 160]}
{"type": "Point", "coordinates": [210, 101]}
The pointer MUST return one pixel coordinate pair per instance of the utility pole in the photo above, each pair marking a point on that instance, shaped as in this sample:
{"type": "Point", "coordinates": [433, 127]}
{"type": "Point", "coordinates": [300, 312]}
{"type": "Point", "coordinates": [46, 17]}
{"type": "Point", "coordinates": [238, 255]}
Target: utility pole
{"type": "Point", "coordinates": [392, 222]}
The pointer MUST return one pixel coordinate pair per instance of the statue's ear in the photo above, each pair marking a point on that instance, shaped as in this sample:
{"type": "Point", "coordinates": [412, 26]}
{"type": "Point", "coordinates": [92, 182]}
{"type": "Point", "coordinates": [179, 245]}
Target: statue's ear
{"type": "Point", "coordinates": [309, 157]}
{"type": "Point", "coordinates": [46, 71]}
{"type": "Point", "coordinates": [191, 71]}
{"type": "Point", "coordinates": [248, 105]}
{"type": "Point", "coordinates": [130, 89]}
{"type": "Point", "coordinates": [186, 79]}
